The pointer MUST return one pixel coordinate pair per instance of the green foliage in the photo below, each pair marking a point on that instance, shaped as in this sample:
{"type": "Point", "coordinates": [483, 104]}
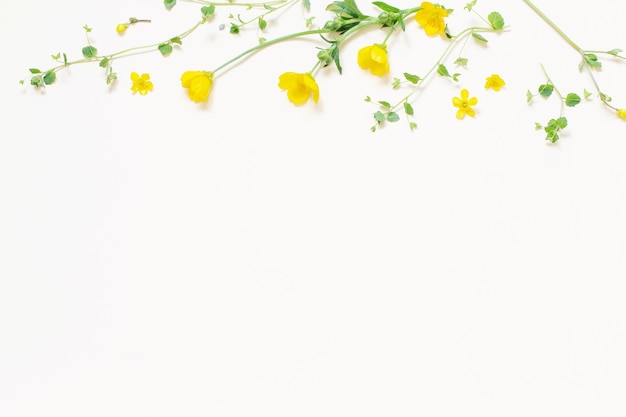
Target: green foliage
{"type": "Point", "coordinates": [413, 79]}
{"type": "Point", "coordinates": [572, 100]}
{"type": "Point", "coordinates": [307, 5]}
{"type": "Point", "coordinates": [105, 62]}
{"type": "Point", "coordinates": [262, 23]}
{"type": "Point", "coordinates": [553, 128]}
{"type": "Point", "coordinates": [443, 71]}
{"type": "Point", "coordinates": [90, 52]}
{"type": "Point", "coordinates": [347, 15]}
{"type": "Point", "coordinates": [386, 7]}
{"type": "Point", "coordinates": [49, 77]}
{"type": "Point", "coordinates": [591, 60]}
{"type": "Point", "coordinates": [529, 96]}
{"type": "Point", "coordinates": [479, 37]}
{"type": "Point", "coordinates": [208, 11]}
{"type": "Point", "coordinates": [169, 4]}
{"type": "Point", "coordinates": [408, 109]}
{"type": "Point", "coordinates": [470, 5]}
{"type": "Point", "coordinates": [496, 20]}
{"type": "Point", "coordinates": [35, 71]}
{"type": "Point", "coordinates": [234, 29]}
{"type": "Point", "coordinates": [392, 117]}
{"type": "Point", "coordinates": [461, 61]}
{"type": "Point", "coordinates": [165, 49]}
{"type": "Point", "coordinates": [545, 90]}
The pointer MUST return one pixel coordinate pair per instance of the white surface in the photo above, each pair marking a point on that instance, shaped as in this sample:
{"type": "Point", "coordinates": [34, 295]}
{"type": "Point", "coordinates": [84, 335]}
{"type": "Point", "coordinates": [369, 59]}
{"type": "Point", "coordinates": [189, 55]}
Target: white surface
{"type": "Point", "coordinates": [251, 258]}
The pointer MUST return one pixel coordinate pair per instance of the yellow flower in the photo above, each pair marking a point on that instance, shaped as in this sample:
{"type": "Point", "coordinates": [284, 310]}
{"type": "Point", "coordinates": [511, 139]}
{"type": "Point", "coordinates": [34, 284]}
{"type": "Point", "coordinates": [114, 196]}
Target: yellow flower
{"type": "Point", "coordinates": [621, 113]}
{"type": "Point", "coordinates": [198, 84]}
{"type": "Point", "coordinates": [374, 58]}
{"type": "Point", "coordinates": [430, 17]}
{"type": "Point", "coordinates": [299, 87]}
{"type": "Point", "coordinates": [121, 28]}
{"type": "Point", "coordinates": [141, 84]}
{"type": "Point", "coordinates": [494, 81]}
{"type": "Point", "coordinates": [464, 104]}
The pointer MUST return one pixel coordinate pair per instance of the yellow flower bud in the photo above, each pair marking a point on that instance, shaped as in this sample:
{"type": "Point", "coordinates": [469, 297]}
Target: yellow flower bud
{"type": "Point", "coordinates": [121, 28]}
{"type": "Point", "coordinates": [621, 113]}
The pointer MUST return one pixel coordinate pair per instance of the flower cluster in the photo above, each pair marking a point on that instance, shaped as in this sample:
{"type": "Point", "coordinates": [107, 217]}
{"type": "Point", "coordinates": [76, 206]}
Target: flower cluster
{"type": "Point", "coordinates": [346, 20]}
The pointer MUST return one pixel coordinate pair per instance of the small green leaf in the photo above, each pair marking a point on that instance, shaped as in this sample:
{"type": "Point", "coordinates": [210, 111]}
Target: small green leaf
{"type": "Point", "coordinates": [36, 81]}
{"type": "Point", "coordinates": [165, 49]}
{"type": "Point", "coordinates": [87, 28]}
{"type": "Point", "coordinates": [408, 109]}
{"type": "Point", "coordinates": [386, 7]}
{"type": "Point", "coordinates": [615, 51]}
{"type": "Point", "coordinates": [587, 94]}
{"type": "Point", "coordinates": [379, 116]}
{"type": "Point", "coordinates": [89, 51]}
{"type": "Point", "coordinates": [35, 71]}
{"type": "Point", "coordinates": [561, 122]}
{"type": "Point", "coordinates": [208, 11]}
{"type": "Point", "coordinates": [105, 61]}
{"type": "Point", "coordinates": [413, 79]}
{"type": "Point", "coordinates": [176, 40]}
{"type": "Point", "coordinates": [57, 56]}
{"type": "Point", "coordinates": [443, 71]}
{"type": "Point", "coordinates": [169, 4]}
{"type": "Point", "coordinates": [496, 20]}
{"type": "Point", "coordinates": [392, 117]}
{"type": "Point", "coordinates": [546, 90]}
{"type": "Point", "coordinates": [461, 61]}
{"type": "Point", "coordinates": [306, 4]}
{"type": "Point", "coordinates": [412, 125]}
{"type": "Point", "coordinates": [529, 96]}
{"type": "Point", "coordinates": [234, 29]}
{"type": "Point", "coordinates": [479, 37]}
{"type": "Point", "coordinates": [49, 77]}
{"type": "Point", "coordinates": [368, 99]}
{"type": "Point", "coordinates": [538, 126]}
{"type": "Point", "coordinates": [262, 23]}
{"type": "Point", "coordinates": [384, 104]}
{"type": "Point", "coordinates": [469, 5]}
{"type": "Point", "coordinates": [572, 100]}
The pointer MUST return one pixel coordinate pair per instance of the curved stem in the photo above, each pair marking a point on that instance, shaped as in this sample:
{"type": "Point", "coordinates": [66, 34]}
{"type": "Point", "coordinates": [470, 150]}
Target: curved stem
{"type": "Point", "coordinates": [554, 26]}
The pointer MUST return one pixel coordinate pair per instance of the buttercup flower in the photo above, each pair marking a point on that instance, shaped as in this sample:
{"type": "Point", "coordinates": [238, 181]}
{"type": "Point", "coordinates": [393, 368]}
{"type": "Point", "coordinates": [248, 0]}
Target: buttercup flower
{"type": "Point", "coordinates": [198, 84]}
{"type": "Point", "coordinates": [374, 58]}
{"type": "Point", "coordinates": [299, 87]}
{"type": "Point", "coordinates": [494, 81]}
{"type": "Point", "coordinates": [430, 17]}
{"type": "Point", "coordinates": [121, 28]}
{"type": "Point", "coordinates": [141, 84]}
{"type": "Point", "coordinates": [621, 113]}
{"type": "Point", "coordinates": [464, 104]}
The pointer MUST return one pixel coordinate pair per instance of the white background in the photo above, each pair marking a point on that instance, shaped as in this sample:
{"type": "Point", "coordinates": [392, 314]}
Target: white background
{"type": "Point", "coordinates": [252, 258]}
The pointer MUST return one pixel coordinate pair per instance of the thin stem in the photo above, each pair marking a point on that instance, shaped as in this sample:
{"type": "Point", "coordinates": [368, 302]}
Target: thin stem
{"type": "Point", "coordinates": [554, 26]}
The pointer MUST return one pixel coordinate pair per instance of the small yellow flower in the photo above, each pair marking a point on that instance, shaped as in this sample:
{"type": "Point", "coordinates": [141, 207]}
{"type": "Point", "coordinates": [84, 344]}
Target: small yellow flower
{"type": "Point", "coordinates": [374, 58]}
{"type": "Point", "coordinates": [198, 83]}
{"type": "Point", "coordinates": [464, 104]}
{"type": "Point", "coordinates": [430, 17]}
{"type": "Point", "coordinates": [121, 28]}
{"type": "Point", "coordinates": [141, 84]}
{"type": "Point", "coordinates": [494, 81]}
{"type": "Point", "coordinates": [299, 87]}
{"type": "Point", "coordinates": [621, 113]}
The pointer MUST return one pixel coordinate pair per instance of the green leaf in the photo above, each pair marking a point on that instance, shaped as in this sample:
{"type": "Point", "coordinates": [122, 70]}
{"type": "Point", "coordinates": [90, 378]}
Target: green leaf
{"type": "Point", "coordinates": [176, 40]}
{"type": "Point", "coordinates": [169, 4]}
{"type": "Point", "coordinates": [479, 37]}
{"type": "Point", "coordinates": [57, 56]}
{"type": "Point", "coordinates": [87, 28]}
{"type": "Point", "coordinates": [572, 100]}
{"type": "Point", "coordinates": [615, 51]}
{"type": "Point", "coordinates": [392, 117]}
{"type": "Point", "coordinates": [368, 99]}
{"type": "Point", "coordinates": [469, 5]}
{"type": "Point", "coordinates": [592, 61]}
{"type": "Point", "coordinates": [234, 29]}
{"type": "Point", "coordinates": [36, 81]}
{"type": "Point", "coordinates": [413, 79]}
{"type": "Point", "coordinates": [443, 71]}
{"type": "Point", "coordinates": [538, 126]}
{"type": "Point", "coordinates": [587, 94]}
{"type": "Point", "coordinates": [49, 77]}
{"type": "Point", "coordinates": [412, 125]}
{"type": "Point", "coordinates": [461, 61]}
{"type": "Point", "coordinates": [384, 104]}
{"type": "Point", "coordinates": [262, 23]}
{"type": "Point", "coordinates": [379, 116]}
{"type": "Point", "coordinates": [529, 96]}
{"type": "Point", "coordinates": [496, 20]}
{"type": "Point", "coordinates": [385, 7]}
{"type": "Point", "coordinates": [89, 51]}
{"type": "Point", "coordinates": [105, 61]}
{"type": "Point", "coordinates": [545, 90]}
{"type": "Point", "coordinates": [35, 71]}
{"type": "Point", "coordinates": [165, 49]}
{"type": "Point", "coordinates": [408, 109]}
{"type": "Point", "coordinates": [208, 11]}
{"type": "Point", "coordinates": [561, 122]}
{"type": "Point", "coordinates": [307, 5]}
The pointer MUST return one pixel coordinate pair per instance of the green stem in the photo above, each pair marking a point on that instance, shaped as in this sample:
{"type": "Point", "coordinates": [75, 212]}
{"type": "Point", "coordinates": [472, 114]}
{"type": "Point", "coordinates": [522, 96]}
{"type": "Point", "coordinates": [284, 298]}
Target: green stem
{"type": "Point", "coordinates": [269, 43]}
{"type": "Point", "coordinates": [554, 26]}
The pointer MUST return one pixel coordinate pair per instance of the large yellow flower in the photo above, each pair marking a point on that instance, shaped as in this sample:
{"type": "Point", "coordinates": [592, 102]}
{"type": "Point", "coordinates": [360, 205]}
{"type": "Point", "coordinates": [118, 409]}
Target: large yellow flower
{"type": "Point", "coordinates": [374, 58]}
{"type": "Point", "coordinates": [141, 83]}
{"type": "Point", "coordinates": [430, 17]}
{"type": "Point", "coordinates": [299, 87]}
{"type": "Point", "coordinates": [464, 103]}
{"type": "Point", "coordinates": [198, 84]}
{"type": "Point", "coordinates": [494, 81]}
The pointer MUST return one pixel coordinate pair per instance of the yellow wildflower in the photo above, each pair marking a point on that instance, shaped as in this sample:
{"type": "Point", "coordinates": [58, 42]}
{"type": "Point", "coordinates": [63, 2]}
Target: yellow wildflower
{"type": "Point", "coordinates": [494, 81]}
{"type": "Point", "coordinates": [430, 17]}
{"type": "Point", "coordinates": [198, 84]}
{"type": "Point", "coordinates": [299, 87]}
{"type": "Point", "coordinates": [621, 113]}
{"type": "Point", "coordinates": [121, 28]}
{"type": "Point", "coordinates": [464, 103]}
{"type": "Point", "coordinates": [141, 84]}
{"type": "Point", "coordinates": [374, 58]}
